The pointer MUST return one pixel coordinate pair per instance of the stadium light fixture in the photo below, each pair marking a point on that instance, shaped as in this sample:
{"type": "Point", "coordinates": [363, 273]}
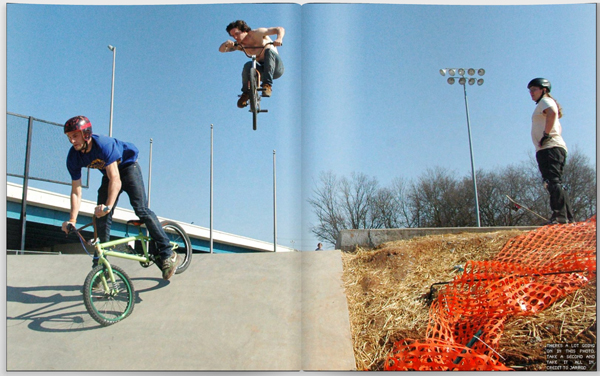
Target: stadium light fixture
{"type": "Point", "coordinates": [462, 80]}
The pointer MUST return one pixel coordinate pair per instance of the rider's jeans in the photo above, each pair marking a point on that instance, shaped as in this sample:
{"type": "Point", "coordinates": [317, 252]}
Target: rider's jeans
{"type": "Point", "coordinates": [132, 183]}
{"type": "Point", "coordinates": [551, 163]}
{"type": "Point", "coordinates": [271, 68]}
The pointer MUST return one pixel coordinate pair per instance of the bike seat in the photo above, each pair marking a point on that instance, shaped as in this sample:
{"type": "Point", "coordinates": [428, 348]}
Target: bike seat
{"type": "Point", "coordinates": [135, 222]}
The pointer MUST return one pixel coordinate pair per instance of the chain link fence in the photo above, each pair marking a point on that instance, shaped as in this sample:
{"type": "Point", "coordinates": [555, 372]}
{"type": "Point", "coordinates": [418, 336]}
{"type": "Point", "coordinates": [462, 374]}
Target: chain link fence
{"type": "Point", "coordinates": [47, 148]}
{"type": "Point", "coordinates": [36, 150]}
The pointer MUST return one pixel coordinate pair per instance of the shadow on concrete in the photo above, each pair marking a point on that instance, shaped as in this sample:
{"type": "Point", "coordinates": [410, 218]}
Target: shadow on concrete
{"type": "Point", "coordinates": [58, 304]}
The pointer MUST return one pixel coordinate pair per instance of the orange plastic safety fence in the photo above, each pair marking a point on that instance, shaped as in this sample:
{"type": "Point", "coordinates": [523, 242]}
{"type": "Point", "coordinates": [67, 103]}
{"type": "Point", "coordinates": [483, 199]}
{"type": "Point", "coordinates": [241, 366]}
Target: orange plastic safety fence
{"type": "Point", "coordinates": [530, 273]}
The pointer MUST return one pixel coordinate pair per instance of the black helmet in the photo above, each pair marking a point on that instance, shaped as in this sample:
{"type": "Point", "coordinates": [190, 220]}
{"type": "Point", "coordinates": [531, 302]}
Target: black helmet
{"type": "Point", "coordinates": [541, 83]}
{"type": "Point", "coordinates": [79, 123]}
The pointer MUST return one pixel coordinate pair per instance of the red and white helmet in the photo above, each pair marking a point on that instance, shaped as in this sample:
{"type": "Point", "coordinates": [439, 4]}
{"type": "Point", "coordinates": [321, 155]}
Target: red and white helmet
{"type": "Point", "coordinates": [79, 123]}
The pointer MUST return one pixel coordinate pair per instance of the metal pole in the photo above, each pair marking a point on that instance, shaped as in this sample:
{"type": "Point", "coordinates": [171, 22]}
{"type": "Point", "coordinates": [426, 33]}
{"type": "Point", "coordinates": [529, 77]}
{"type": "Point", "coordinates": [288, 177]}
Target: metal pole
{"type": "Point", "coordinates": [211, 188]}
{"type": "Point", "coordinates": [26, 183]}
{"type": "Point", "coordinates": [112, 89]}
{"type": "Point", "coordinates": [150, 173]}
{"type": "Point", "coordinates": [472, 158]}
{"type": "Point", "coordinates": [274, 203]}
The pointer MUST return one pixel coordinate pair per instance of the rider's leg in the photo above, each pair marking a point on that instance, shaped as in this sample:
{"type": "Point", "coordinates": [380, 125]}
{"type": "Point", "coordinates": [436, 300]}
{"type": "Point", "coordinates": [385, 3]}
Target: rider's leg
{"type": "Point", "coordinates": [133, 183]}
{"type": "Point", "coordinates": [271, 67]}
{"type": "Point", "coordinates": [551, 163]}
{"type": "Point", "coordinates": [246, 77]}
{"type": "Point", "coordinates": [243, 101]}
{"type": "Point", "coordinates": [103, 224]}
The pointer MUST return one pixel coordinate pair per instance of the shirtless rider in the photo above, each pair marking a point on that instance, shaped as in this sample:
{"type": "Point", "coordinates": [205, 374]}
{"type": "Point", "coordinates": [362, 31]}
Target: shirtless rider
{"type": "Point", "coordinates": [269, 64]}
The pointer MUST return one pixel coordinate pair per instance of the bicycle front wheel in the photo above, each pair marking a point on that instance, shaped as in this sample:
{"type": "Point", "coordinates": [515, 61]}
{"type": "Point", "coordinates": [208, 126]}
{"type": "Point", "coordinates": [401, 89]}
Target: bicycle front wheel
{"type": "Point", "coordinates": [108, 306]}
{"type": "Point", "coordinates": [254, 99]}
{"type": "Point", "coordinates": [181, 244]}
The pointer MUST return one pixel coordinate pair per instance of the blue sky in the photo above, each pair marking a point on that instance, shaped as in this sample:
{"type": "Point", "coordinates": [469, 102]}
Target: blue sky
{"type": "Point", "coordinates": [361, 92]}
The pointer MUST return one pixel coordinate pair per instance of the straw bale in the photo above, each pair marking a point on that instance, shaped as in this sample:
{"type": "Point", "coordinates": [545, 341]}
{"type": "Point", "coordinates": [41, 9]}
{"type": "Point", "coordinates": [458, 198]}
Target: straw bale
{"type": "Point", "coordinates": [386, 289]}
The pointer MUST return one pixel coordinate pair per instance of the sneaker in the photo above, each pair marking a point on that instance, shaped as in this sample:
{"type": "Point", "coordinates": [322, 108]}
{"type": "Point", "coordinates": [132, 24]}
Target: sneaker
{"type": "Point", "coordinates": [243, 101]}
{"type": "Point", "coordinates": [266, 90]}
{"type": "Point", "coordinates": [169, 265]}
{"type": "Point", "coordinates": [557, 221]}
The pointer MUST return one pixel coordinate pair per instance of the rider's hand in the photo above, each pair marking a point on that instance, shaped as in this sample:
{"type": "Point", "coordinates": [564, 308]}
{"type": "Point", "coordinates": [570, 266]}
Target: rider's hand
{"type": "Point", "coordinates": [230, 45]}
{"type": "Point", "coordinates": [66, 224]}
{"type": "Point", "coordinates": [545, 139]}
{"type": "Point", "coordinates": [101, 211]}
{"type": "Point", "coordinates": [278, 43]}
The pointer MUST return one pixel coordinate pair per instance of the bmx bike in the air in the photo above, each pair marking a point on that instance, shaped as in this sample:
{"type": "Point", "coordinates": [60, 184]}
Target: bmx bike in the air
{"type": "Point", "coordinates": [254, 83]}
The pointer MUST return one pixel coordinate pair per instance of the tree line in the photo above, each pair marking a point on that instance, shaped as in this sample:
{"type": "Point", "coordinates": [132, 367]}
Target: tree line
{"type": "Point", "coordinates": [438, 198]}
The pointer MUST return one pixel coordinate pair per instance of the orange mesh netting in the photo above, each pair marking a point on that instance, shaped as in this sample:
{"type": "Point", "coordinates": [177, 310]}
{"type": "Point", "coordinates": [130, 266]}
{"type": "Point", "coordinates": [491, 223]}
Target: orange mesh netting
{"type": "Point", "coordinates": [531, 272]}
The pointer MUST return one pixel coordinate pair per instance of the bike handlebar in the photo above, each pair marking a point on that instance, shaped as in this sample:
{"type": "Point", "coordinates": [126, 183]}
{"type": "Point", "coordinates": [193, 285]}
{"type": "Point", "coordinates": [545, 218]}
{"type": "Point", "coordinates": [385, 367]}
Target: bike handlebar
{"type": "Point", "coordinates": [72, 229]}
{"type": "Point", "coordinates": [244, 48]}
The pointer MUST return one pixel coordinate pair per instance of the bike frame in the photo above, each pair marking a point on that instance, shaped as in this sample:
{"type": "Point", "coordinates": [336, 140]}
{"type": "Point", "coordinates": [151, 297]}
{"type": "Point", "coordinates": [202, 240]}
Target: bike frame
{"type": "Point", "coordinates": [102, 250]}
{"type": "Point", "coordinates": [108, 292]}
{"type": "Point", "coordinates": [254, 97]}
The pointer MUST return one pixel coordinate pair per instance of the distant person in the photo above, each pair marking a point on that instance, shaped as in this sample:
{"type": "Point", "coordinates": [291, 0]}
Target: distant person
{"type": "Point", "coordinates": [117, 161]}
{"type": "Point", "coordinates": [319, 247]}
{"type": "Point", "coordinates": [269, 64]}
{"type": "Point", "coordinates": [551, 149]}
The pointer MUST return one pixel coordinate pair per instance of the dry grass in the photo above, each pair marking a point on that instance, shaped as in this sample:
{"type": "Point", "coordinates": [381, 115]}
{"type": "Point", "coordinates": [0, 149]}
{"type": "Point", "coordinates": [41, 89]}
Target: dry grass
{"type": "Point", "coordinates": [385, 288]}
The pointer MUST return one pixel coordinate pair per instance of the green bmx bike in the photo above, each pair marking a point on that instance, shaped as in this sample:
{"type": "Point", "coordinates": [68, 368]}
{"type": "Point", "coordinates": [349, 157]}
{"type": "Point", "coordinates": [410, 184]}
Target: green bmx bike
{"type": "Point", "coordinates": [108, 293]}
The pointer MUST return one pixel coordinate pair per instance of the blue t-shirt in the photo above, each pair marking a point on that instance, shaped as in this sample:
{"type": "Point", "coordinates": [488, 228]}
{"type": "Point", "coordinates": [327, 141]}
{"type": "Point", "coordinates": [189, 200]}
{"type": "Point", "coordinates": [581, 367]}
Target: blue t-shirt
{"type": "Point", "coordinates": [105, 150]}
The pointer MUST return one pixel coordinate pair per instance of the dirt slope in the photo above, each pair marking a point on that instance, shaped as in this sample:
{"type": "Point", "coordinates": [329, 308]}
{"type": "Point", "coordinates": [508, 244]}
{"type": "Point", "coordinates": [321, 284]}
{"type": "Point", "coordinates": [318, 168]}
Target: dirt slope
{"type": "Point", "coordinates": [387, 290]}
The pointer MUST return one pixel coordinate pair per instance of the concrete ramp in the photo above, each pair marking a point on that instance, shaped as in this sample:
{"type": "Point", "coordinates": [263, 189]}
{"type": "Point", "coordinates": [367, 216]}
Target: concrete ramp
{"type": "Point", "coordinates": [227, 312]}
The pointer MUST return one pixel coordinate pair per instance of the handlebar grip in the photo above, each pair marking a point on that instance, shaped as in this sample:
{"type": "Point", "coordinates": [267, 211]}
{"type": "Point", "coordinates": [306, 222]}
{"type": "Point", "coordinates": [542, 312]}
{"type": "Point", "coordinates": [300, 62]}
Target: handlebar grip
{"type": "Point", "coordinates": [70, 227]}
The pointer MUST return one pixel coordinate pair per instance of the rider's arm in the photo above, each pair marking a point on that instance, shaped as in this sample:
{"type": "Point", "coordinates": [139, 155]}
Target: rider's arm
{"type": "Point", "coordinates": [114, 187]}
{"type": "Point", "coordinates": [75, 204]}
{"type": "Point", "coordinates": [550, 119]}
{"type": "Point", "coordinates": [279, 31]}
{"type": "Point", "coordinates": [228, 46]}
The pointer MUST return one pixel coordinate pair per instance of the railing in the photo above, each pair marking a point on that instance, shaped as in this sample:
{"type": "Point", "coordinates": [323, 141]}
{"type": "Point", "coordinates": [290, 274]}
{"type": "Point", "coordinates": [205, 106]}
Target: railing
{"type": "Point", "coordinates": [36, 149]}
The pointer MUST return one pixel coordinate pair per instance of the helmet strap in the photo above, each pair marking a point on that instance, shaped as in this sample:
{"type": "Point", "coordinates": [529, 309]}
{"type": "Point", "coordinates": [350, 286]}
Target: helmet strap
{"type": "Point", "coordinates": [541, 96]}
{"type": "Point", "coordinates": [84, 149]}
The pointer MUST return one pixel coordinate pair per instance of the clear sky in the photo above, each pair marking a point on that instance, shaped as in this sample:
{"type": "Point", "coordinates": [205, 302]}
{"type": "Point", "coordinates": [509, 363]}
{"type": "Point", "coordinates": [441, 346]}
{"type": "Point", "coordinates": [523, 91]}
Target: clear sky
{"type": "Point", "coordinates": [361, 92]}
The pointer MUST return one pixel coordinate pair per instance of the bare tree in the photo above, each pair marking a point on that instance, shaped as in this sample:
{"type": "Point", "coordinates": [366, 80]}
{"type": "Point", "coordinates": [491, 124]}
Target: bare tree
{"type": "Point", "coordinates": [358, 196]}
{"type": "Point", "coordinates": [439, 199]}
{"type": "Point", "coordinates": [580, 180]}
{"type": "Point", "coordinates": [390, 208]}
{"type": "Point", "coordinates": [327, 207]}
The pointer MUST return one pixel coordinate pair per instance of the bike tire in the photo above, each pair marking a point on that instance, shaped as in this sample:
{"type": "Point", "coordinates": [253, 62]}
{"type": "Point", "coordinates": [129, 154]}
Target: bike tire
{"type": "Point", "coordinates": [254, 99]}
{"type": "Point", "coordinates": [177, 234]}
{"type": "Point", "coordinates": [108, 308]}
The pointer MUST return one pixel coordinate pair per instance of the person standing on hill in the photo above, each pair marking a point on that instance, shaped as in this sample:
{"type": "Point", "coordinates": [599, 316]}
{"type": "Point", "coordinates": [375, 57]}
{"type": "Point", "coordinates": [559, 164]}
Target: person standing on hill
{"type": "Point", "coordinates": [551, 149]}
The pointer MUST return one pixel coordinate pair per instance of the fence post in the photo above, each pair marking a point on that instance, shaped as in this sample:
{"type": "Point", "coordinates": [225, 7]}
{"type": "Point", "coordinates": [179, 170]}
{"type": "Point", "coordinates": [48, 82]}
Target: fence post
{"type": "Point", "coordinates": [25, 184]}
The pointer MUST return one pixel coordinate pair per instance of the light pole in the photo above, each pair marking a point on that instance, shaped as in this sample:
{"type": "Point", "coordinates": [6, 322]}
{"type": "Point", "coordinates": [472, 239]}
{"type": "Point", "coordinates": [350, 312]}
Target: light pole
{"type": "Point", "coordinates": [211, 187]}
{"type": "Point", "coordinates": [150, 173]}
{"type": "Point", "coordinates": [112, 89]}
{"type": "Point", "coordinates": [274, 201]}
{"type": "Point", "coordinates": [462, 80]}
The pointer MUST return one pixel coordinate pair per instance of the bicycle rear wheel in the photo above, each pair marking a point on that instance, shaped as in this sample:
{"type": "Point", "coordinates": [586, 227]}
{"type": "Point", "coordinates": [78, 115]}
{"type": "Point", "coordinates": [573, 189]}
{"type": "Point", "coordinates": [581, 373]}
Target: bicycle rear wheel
{"type": "Point", "coordinates": [254, 98]}
{"type": "Point", "coordinates": [181, 242]}
{"type": "Point", "coordinates": [114, 305]}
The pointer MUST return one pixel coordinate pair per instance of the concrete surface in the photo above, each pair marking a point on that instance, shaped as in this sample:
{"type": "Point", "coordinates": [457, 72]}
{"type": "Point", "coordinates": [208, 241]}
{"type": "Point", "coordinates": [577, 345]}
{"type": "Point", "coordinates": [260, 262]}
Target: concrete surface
{"type": "Point", "coordinates": [349, 239]}
{"type": "Point", "coordinates": [227, 312]}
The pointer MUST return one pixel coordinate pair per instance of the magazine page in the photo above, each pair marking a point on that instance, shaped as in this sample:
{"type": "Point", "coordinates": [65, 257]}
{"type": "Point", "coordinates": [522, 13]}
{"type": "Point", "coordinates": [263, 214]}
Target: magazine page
{"type": "Point", "coordinates": [433, 136]}
{"type": "Point", "coordinates": [149, 84]}
{"type": "Point", "coordinates": [326, 214]}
